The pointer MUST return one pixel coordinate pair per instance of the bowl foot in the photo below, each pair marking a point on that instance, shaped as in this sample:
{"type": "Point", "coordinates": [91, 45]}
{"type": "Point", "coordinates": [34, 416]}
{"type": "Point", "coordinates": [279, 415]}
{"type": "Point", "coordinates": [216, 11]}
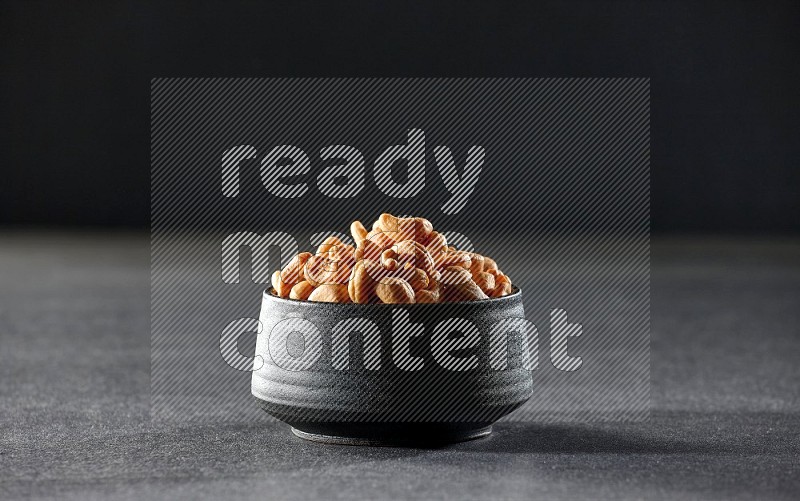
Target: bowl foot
{"type": "Point", "coordinates": [409, 435]}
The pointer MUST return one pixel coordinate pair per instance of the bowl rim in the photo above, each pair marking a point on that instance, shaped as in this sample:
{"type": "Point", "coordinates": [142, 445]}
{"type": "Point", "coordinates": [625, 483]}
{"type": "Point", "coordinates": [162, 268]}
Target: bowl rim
{"type": "Point", "coordinates": [515, 293]}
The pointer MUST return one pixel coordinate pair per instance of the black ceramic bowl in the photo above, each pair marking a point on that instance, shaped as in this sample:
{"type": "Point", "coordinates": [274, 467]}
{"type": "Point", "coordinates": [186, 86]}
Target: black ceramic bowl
{"type": "Point", "coordinates": [388, 374]}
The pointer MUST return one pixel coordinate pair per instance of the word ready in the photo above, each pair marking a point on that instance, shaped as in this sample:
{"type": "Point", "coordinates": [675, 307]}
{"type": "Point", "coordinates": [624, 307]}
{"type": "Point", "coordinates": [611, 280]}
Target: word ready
{"type": "Point", "coordinates": [286, 168]}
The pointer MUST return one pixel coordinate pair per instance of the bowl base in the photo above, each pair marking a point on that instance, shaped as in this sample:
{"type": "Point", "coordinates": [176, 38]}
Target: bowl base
{"type": "Point", "coordinates": [409, 435]}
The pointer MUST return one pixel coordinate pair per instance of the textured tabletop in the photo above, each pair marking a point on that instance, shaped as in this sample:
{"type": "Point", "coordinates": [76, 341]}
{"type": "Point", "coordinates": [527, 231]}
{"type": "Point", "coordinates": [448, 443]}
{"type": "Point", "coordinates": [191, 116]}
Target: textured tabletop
{"type": "Point", "coordinates": [75, 395]}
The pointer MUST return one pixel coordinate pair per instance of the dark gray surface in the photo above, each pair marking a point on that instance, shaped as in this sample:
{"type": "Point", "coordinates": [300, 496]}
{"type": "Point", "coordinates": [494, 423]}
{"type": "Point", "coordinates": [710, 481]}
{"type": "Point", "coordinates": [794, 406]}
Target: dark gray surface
{"type": "Point", "coordinates": [74, 396]}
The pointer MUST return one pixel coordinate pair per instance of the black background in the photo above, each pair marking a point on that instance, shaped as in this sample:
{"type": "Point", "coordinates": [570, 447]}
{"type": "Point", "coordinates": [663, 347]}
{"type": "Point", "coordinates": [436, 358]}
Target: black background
{"type": "Point", "coordinates": [74, 97]}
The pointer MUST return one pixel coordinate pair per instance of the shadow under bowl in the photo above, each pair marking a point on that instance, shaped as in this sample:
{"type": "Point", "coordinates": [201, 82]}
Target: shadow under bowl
{"type": "Point", "coordinates": [410, 374]}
